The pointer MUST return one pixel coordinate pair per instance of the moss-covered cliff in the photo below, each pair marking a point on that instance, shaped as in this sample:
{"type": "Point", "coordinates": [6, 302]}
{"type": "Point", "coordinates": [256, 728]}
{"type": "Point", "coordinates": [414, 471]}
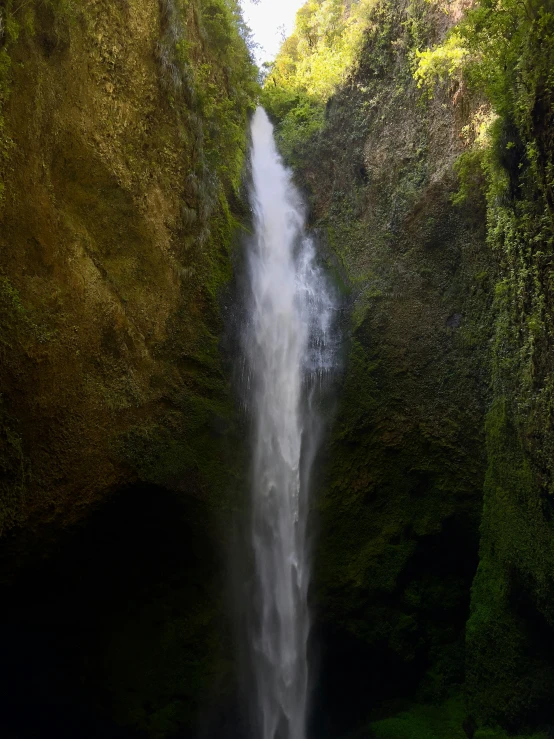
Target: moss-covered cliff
{"type": "Point", "coordinates": [399, 515]}
{"type": "Point", "coordinates": [443, 228]}
{"type": "Point", "coordinates": [125, 134]}
{"type": "Point", "coordinates": [123, 138]}
{"type": "Point", "coordinates": [510, 663]}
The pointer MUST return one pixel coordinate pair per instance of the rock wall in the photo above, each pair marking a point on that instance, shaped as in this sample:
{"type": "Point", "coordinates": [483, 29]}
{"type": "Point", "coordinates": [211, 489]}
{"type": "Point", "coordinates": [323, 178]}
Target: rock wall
{"type": "Point", "coordinates": [122, 144]}
{"type": "Point", "coordinates": [510, 667]}
{"type": "Point", "coordinates": [399, 515]}
{"type": "Point", "coordinates": [426, 590]}
{"type": "Point", "coordinates": [116, 231]}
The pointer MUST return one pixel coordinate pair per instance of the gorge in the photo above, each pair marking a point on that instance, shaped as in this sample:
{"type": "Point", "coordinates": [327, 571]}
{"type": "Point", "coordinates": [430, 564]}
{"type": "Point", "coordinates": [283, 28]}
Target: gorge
{"type": "Point", "coordinates": [420, 137]}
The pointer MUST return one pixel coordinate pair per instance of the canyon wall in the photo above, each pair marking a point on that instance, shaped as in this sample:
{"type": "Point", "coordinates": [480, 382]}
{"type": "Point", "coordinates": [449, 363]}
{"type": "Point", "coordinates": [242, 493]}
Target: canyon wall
{"type": "Point", "coordinates": [123, 138]}
{"type": "Point", "coordinates": [435, 519]}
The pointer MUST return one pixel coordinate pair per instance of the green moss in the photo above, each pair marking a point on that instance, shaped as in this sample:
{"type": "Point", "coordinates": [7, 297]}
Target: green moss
{"type": "Point", "coordinates": [424, 722]}
{"type": "Point", "coordinates": [187, 446]}
{"type": "Point", "coordinates": [10, 28]}
{"type": "Point", "coordinates": [405, 474]}
{"type": "Point", "coordinates": [509, 670]}
{"type": "Point", "coordinates": [399, 509]}
{"type": "Point", "coordinates": [326, 51]}
{"type": "Point", "coordinates": [20, 19]}
{"type": "Point", "coordinates": [402, 468]}
{"type": "Point", "coordinates": [129, 245]}
{"type": "Point", "coordinates": [20, 325]}
{"type": "Point", "coordinates": [195, 447]}
{"type": "Point", "coordinates": [206, 65]}
{"type": "Point", "coordinates": [509, 663]}
{"type": "Point", "coordinates": [198, 444]}
{"type": "Point", "coordinates": [444, 721]}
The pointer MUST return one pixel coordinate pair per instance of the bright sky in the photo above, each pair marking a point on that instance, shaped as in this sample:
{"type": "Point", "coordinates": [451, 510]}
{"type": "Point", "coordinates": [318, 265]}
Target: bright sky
{"type": "Point", "coordinates": [266, 19]}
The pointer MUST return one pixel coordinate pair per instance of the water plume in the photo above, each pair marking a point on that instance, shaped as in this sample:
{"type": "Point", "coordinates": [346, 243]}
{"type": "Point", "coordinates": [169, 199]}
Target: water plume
{"type": "Point", "coordinates": [289, 353]}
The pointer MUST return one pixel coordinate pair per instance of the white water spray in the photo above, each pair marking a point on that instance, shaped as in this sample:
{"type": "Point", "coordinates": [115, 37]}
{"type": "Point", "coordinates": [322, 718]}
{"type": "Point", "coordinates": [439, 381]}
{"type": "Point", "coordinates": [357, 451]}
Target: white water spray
{"type": "Point", "coordinates": [288, 352]}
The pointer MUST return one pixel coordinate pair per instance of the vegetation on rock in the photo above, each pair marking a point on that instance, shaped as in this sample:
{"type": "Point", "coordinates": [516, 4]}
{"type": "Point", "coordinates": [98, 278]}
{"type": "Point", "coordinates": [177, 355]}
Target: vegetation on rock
{"type": "Point", "coordinates": [506, 55]}
{"type": "Point", "coordinates": [313, 61]}
{"type": "Point", "coordinates": [151, 217]}
{"type": "Point", "coordinates": [122, 145]}
{"type": "Point", "coordinates": [489, 80]}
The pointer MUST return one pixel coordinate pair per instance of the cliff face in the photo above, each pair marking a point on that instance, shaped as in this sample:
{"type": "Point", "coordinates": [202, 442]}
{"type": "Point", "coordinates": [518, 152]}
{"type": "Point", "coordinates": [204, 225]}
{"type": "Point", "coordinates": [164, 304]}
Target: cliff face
{"type": "Point", "coordinates": [447, 377]}
{"type": "Point", "coordinates": [509, 635]}
{"type": "Point", "coordinates": [401, 505]}
{"type": "Point", "coordinates": [122, 146]}
{"type": "Point", "coordinates": [116, 232]}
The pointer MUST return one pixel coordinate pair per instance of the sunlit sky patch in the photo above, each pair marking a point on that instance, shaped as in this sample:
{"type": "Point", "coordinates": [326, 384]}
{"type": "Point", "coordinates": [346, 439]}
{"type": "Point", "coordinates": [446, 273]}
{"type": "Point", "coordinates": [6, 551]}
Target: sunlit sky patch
{"type": "Point", "coordinates": [269, 20]}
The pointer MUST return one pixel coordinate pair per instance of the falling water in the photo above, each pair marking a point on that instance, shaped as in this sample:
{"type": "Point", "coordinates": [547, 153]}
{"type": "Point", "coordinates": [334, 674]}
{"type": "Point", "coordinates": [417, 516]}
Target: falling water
{"type": "Point", "coordinates": [288, 352]}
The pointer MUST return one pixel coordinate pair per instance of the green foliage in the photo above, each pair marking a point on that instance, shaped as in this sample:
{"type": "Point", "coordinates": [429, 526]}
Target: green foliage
{"type": "Point", "coordinates": [504, 50]}
{"type": "Point", "coordinates": [442, 721]}
{"type": "Point", "coordinates": [469, 168]}
{"type": "Point", "coordinates": [213, 83]}
{"type": "Point", "coordinates": [323, 47]}
{"type": "Point", "coordinates": [302, 121]}
{"type": "Point", "coordinates": [424, 722]}
{"type": "Point", "coordinates": [227, 87]}
{"type": "Point", "coordinates": [436, 722]}
{"type": "Point", "coordinates": [509, 677]}
{"type": "Point", "coordinates": [405, 468]}
{"type": "Point", "coordinates": [490, 48]}
{"type": "Point", "coordinates": [508, 57]}
{"type": "Point", "coordinates": [312, 63]}
{"type": "Point", "coordinates": [502, 54]}
{"type": "Point", "coordinates": [445, 61]}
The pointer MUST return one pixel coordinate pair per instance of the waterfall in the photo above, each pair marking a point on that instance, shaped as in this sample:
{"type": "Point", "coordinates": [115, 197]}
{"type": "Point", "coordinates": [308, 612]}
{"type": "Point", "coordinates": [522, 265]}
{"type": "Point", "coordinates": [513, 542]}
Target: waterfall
{"type": "Point", "coordinates": [288, 354]}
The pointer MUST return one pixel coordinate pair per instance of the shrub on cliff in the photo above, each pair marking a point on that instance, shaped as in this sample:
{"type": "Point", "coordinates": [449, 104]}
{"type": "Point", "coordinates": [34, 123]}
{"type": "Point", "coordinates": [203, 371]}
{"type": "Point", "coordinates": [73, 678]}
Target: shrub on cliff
{"type": "Point", "coordinates": [311, 64]}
